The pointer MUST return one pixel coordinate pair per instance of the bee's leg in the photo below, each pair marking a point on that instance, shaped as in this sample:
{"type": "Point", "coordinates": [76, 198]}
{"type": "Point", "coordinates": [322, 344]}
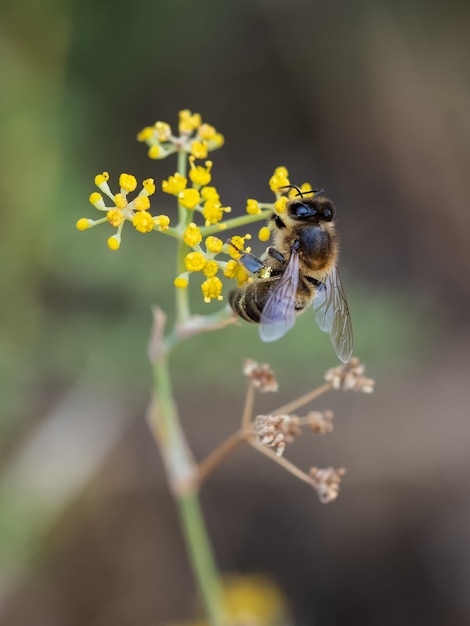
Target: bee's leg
{"type": "Point", "coordinates": [275, 254]}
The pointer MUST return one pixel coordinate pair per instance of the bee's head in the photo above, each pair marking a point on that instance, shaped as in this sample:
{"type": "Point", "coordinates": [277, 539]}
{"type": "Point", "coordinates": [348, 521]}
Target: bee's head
{"type": "Point", "coordinates": [311, 209]}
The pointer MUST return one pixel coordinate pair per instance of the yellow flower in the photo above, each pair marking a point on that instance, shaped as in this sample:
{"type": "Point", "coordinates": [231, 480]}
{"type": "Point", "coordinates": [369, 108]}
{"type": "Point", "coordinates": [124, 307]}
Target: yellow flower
{"type": "Point", "coordinates": [213, 212]}
{"type": "Point", "coordinates": [189, 198]}
{"type": "Point", "coordinates": [114, 242]}
{"type": "Point", "coordinates": [238, 244]}
{"type": "Point", "coordinates": [162, 221]}
{"type": "Point", "coordinates": [162, 131]}
{"type": "Point", "coordinates": [199, 149]}
{"type": "Point", "coordinates": [252, 207]}
{"type": "Point", "coordinates": [155, 152]}
{"type": "Point", "coordinates": [83, 223]}
{"type": "Point", "coordinates": [143, 222]}
{"type": "Point", "coordinates": [145, 134]}
{"type": "Point", "coordinates": [214, 244]}
{"type": "Point", "coordinates": [96, 199]}
{"type": "Point", "coordinates": [141, 203]}
{"type": "Point", "coordinates": [175, 184]}
{"type": "Point", "coordinates": [120, 201]}
{"type": "Point", "coordinates": [149, 186]}
{"type": "Point", "coordinates": [200, 175]}
{"type": "Point", "coordinates": [279, 179]}
{"type": "Point", "coordinates": [192, 235]}
{"type": "Point", "coordinates": [181, 282]}
{"type": "Point", "coordinates": [115, 217]}
{"type": "Point", "coordinates": [206, 131]}
{"type": "Point", "coordinates": [264, 234]}
{"type": "Point", "coordinates": [195, 261]}
{"type": "Point", "coordinates": [127, 182]}
{"type": "Point", "coordinates": [188, 122]}
{"type": "Point", "coordinates": [210, 194]}
{"type": "Point", "coordinates": [212, 289]}
{"type": "Point", "coordinates": [233, 269]}
{"type": "Point", "coordinates": [211, 268]}
{"type": "Point", "coordinates": [280, 205]}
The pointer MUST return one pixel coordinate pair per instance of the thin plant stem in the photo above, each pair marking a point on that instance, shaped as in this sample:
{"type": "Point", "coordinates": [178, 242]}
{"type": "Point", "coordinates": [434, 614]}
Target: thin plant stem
{"type": "Point", "coordinates": [299, 402]}
{"type": "Point", "coordinates": [280, 460]}
{"type": "Point", "coordinates": [180, 468]}
{"type": "Point", "coordinates": [248, 410]}
{"type": "Point", "coordinates": [223, 451]}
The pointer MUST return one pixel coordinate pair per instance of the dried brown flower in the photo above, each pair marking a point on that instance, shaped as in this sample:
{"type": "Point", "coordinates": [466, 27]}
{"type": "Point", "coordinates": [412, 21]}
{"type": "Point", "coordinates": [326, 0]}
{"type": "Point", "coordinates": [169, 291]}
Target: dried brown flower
{"type": "Point", "coordinates": [261, 376]}
{"type": "Point", "coordinates": [275, 431]}
{"type": "Point", "coordinates": [326, 482]}
{"type": "Point", "coordinates": [350, 377]}
{"type": "Point", "coordinates": [321, 422]}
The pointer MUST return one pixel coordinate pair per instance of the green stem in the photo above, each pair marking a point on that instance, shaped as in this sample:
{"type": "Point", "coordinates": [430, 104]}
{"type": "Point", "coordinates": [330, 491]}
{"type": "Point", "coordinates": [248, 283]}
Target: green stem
{"type": "Point", "coordinates": [181, 471]}
{"type": "Point", "coordinates": [183, 310]}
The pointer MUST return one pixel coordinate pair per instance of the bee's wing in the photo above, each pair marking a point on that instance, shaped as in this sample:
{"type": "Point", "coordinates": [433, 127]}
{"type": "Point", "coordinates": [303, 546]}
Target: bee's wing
{"type": "Point", "coordinates": [332, 315]}
{"type": "Point", "coordinates": [278, 314]}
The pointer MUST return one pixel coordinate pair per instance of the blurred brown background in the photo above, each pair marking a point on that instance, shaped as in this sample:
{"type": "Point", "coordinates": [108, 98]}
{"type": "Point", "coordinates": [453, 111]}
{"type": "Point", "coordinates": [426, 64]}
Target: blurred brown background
{"type": "Point", "coordinates": [369, 100]}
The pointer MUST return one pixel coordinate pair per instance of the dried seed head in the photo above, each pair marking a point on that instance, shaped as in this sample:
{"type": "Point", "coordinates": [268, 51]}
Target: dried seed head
{"type": "Point", "coordinates": [260, 376]}
{"type": "Point", "coordinates": [350, 377]}
{"type": "Point", "coordinates": [326, 482]}
{"type": "Point", "coordinates": [275, 431]}
{"type": "Point", "coordinates": [321, 422]}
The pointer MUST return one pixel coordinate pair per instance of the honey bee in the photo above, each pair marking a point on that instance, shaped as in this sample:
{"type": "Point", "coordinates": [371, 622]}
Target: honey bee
{"type": "Point", "coordinates": [299, 269]}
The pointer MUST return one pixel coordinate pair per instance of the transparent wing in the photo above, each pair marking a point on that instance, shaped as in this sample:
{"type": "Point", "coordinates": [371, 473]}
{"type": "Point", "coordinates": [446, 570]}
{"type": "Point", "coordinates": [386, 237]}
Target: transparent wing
{"type": "Point", "coordinates": [278, 315]}
{"type": "Point", "coordinates": [332, 315]}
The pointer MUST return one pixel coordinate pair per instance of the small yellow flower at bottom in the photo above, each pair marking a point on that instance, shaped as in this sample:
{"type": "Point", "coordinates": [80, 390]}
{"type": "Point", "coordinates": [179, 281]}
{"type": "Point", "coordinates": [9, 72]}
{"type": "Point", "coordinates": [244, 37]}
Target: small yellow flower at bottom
{"type": "Point", "coordinates": [181, 282]}
{"type": "Point", "coordinates": [212, 289]}
{"type": "Point", "coordinates": [114, 242]}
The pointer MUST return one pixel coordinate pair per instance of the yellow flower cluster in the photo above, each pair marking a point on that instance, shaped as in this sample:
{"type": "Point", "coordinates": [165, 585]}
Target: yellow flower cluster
{"type": "Point", "coordinates": [122, 210]}
{"type": "Point", "coordinates": [195, 137]}
{"type": "Point", "coordinates": [203, 260]}
{"type": "Point", "coordinates": [200, 196]}
{"type": "Point", "coordinates": [195, 195]}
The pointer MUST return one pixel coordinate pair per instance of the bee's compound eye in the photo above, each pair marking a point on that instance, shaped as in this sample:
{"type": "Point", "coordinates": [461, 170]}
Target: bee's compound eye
{"type": "Point", "coordinates": [299, 209]}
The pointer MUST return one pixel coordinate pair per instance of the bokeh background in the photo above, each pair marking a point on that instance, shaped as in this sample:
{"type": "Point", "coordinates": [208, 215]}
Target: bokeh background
{"type": "Point", "coordinates": [369, 100]}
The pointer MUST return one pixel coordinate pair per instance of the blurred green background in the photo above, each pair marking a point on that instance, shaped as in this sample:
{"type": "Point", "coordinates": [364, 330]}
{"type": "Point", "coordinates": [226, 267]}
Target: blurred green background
{"type": "Point", "coordinates": [369, 100]}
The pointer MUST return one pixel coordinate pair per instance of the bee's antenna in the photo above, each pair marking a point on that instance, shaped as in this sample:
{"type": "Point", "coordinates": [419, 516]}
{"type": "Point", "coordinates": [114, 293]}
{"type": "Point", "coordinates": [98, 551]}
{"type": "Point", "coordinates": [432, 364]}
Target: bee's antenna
{"type": "Point", "coordinates": [303, 193]}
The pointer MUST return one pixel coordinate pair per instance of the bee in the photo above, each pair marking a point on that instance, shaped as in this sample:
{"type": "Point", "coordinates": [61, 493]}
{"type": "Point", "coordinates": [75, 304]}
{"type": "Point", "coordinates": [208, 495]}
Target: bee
{"type": "Point", "coordinates": [298, 270]}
